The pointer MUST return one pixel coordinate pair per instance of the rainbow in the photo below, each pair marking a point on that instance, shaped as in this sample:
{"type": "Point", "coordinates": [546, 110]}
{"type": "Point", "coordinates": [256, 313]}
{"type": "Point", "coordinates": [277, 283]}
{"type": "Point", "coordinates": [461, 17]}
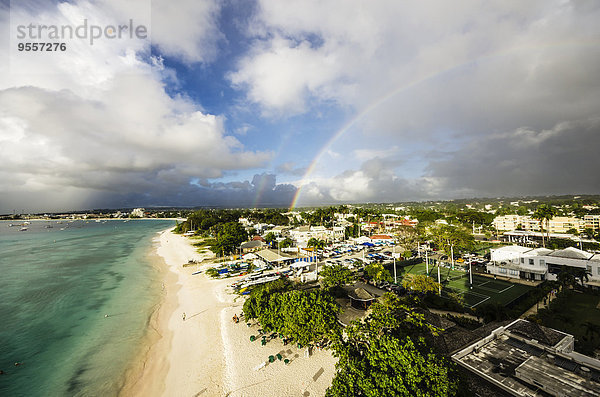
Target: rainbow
{"type": "Point", "coordinates": [378, 102]}
{"type": "Point", "coordinates": [356, 119]}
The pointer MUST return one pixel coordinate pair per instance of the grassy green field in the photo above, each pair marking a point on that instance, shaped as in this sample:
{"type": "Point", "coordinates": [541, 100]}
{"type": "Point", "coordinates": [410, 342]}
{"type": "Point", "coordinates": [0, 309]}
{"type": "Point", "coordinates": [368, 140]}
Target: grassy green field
{"type": "Point", "coordinates": [483, 290]}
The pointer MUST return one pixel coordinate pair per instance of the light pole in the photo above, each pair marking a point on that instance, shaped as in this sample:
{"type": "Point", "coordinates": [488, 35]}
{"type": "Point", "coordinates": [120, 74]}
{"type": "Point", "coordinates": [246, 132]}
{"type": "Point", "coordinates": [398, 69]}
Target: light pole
{"type": "Point", "coordinates": [426, 264]}
{"type": "Point", "coordinates": [470, 275]}
{"type": "Point", "coordinates": [439, 280]}
{"type": "Point", "coordinates": [394, 258]}
{"type": "Point", "coordinates": [452, 255]}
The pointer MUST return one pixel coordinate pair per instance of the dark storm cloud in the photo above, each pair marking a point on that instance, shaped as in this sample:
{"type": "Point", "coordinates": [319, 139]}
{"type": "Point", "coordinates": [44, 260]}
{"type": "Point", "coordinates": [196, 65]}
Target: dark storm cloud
{"type": "Point", "coordinates": [262, 191]}
{"type": "Point", "coordinates": [562, 159]}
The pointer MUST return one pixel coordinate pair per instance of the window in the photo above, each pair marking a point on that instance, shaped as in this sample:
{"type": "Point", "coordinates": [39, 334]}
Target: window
{"type": "Point", "coordinates": [514, 272]}
{"type": "Point", "coordinates": [542, 262]}
{"type": "Point", "coordinates": [503, 270]}
{"type": "Point", "coordinates": [522, 260]}
{"type": "Point", "coordinates": [531, 261]}
{"type": "Point", "coordinates": [599, 270]}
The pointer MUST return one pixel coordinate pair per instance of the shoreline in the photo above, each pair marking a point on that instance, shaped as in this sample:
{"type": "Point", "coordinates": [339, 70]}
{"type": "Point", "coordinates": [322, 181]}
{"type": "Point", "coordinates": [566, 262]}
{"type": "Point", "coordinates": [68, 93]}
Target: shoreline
{"type": "Point", "coordinates": [207, 353]}
{"type": "Point", "coordinates": [141, 377]}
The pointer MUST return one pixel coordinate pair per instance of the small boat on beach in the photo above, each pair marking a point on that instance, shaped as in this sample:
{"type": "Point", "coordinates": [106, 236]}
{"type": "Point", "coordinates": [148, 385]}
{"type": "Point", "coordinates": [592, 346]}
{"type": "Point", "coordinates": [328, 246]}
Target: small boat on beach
{"type": "Point", "coordinates": [23, 229]}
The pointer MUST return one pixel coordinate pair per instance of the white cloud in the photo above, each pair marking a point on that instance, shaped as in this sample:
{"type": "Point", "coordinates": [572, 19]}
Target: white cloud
{"type": "Point", "coordinates": [96, 121]}
{"type": "Point", "coordinates": [281, 74]}
{"type": "Point", "coordinates": [188, 30]}
{"type": "Point", "coordinates": [332, 154]}
{"type": "Point", "coordinates": [423, 67]}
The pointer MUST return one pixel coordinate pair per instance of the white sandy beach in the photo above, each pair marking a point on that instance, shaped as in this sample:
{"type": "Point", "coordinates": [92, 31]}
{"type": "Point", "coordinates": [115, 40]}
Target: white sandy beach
{"type": "Point", "coordinates": [210, 355]}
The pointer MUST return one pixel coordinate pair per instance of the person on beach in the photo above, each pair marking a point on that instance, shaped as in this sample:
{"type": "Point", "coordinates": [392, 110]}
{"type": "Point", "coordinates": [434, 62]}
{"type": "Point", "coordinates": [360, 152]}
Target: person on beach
{"type": "Point", "coordinates": [183, 316]}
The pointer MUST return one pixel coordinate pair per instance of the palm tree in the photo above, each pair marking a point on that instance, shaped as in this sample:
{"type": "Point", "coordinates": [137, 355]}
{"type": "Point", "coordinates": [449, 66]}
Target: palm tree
{"type": "Point", "coordinates": [566, 279]}
{"type": "Point", "coordinates": [544, 213]}
{"type": "Point", "coordinates": [316, 243]}
{"type": "Point", "coordinates": [582, 274]}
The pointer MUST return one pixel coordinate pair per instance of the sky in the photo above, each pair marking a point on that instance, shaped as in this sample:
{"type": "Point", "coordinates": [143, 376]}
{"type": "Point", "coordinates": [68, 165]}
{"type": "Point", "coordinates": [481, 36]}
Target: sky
{"type": "Point", "coordinates": [238, 103]}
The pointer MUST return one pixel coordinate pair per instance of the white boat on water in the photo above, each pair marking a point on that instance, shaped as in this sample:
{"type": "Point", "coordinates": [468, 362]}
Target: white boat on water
{"type": "Point", "coordinates": [23, 229]}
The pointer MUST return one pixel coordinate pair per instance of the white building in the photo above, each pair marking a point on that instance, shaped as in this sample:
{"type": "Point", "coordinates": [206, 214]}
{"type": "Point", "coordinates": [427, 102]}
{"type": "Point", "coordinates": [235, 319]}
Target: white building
{"type": "Point", "coordinates": [304, 233]}
{"type": "Point", "coordinates": [542, 264]}
{"type": "Point", "coordinates": [138, 212]}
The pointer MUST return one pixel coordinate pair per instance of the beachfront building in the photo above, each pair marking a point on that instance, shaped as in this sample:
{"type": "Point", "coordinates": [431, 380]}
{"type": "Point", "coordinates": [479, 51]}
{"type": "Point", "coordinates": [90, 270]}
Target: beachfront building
{"type": "Point", "coordinates": [274, 258]}
{"type": "Point", "coordinates": [252, 246]}
{"type": "Point", "coordinates": [526, 359]}
{"type": "Point", "coordinates": [543, 264]}
{"type": "Point", "coordinates": [138, 212]}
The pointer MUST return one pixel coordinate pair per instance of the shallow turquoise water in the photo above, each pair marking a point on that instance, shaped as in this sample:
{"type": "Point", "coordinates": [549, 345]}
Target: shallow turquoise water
{"type": "Point", "coordinates": [55, 288]}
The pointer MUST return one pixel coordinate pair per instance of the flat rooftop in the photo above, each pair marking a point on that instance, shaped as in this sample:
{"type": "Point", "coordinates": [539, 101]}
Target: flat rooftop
{"type": "Point", "coordinates": [526, 359]}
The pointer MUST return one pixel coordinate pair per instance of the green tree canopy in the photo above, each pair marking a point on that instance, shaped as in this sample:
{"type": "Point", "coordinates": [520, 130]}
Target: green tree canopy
{"type": "Point", "coordinates": [387, 355]}
{"type": "Point", "coordinates": [269, 238]}
{"type": "Point", "coordinates": [306, 316]}
{"type": "Point", "coordinates": [447, 236]}
{"type": "Point", "coordinates": [286, 243]}
{"type": "Point", "coordinates": [229, 236]}
{"type": "Point", "coordinates": [377, 273]}
{"type": "Point", "coordinates": [335, 276]}
{"type": "Point", "coordinates": [420, 283]}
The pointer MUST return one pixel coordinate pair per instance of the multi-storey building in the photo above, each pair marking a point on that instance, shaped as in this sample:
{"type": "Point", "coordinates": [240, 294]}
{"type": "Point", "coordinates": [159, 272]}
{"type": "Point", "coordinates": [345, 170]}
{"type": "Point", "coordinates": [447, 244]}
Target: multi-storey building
{"type": "Point", "coordinates": [558, 224]}
{"type": "Point", "coordinates": [543, 264]}
{"type": "Point", "coordinates": [562, 224]}
{"type": "Point", "coordinates": [591, 222]}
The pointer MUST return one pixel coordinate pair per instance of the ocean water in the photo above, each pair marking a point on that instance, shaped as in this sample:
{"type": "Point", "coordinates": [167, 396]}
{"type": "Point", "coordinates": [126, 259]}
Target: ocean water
{"type": "Point", "coordinates": [56, 285]}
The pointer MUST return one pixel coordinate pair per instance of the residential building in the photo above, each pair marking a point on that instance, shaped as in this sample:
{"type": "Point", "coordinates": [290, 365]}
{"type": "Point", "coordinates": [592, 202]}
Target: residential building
{"type": "Point", "coordinates": [558, 224]}
{"type": "Point", "coordinates": [507, 222]}
{"type": "Point", "coordinates": [591, 222]}
{"type": "Point", "coordinates": [562, 224]}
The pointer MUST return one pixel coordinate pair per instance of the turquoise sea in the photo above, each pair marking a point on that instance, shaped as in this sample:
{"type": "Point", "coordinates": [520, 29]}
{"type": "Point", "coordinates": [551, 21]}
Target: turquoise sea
{"type": "Point", "coordinates": [57, 283]}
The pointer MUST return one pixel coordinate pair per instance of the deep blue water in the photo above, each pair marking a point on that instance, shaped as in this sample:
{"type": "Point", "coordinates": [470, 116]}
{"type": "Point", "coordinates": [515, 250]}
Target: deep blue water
{"type": "Point", "coordinates": [56, 285]}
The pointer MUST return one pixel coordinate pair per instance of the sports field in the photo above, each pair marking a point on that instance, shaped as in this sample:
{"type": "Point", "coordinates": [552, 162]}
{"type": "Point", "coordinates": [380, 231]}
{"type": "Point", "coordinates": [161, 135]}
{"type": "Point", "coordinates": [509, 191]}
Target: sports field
{"type": "Point", "coordinates": [483, 290]}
